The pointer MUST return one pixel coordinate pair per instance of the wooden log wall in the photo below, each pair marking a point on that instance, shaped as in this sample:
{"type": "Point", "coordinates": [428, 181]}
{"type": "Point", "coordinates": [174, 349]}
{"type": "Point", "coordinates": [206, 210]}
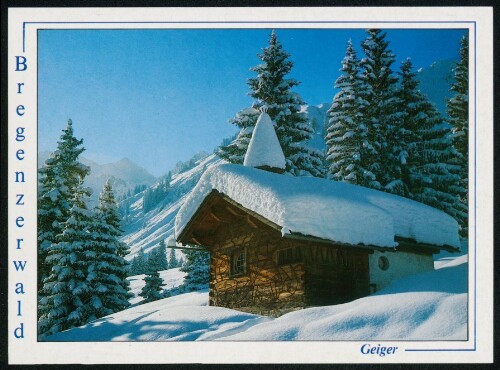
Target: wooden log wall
{"type": "Point", "coordinates": [324, 275]}
{"type": "Point", "coordinates": [265, 287]}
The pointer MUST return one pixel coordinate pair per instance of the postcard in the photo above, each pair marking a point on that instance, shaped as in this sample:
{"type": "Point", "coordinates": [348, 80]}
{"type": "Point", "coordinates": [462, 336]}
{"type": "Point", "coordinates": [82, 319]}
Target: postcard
{"type": "Point", "coordinates": [250, 185]}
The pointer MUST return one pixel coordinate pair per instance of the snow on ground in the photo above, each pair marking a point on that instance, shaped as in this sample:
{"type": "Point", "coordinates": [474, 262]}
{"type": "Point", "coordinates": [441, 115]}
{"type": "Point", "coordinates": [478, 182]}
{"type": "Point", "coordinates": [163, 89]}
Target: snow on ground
{"type": "Point", "coordinates": [342, 212]}
{"type": "Point", "coordinates": [171, 278]}
{"type": "Point", "coordinates": [428, 306]}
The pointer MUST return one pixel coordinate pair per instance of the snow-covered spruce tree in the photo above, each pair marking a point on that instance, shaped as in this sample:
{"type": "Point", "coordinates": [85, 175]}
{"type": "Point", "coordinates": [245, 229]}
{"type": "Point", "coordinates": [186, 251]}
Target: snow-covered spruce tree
{"type": "Point", "coordinates": [139, 263]}
{"type": "Point", "coordinates": [58, 179]}
{"type": "Point", "coordinates": [379, 86]}
{"type": "Point", "coordinates": [161, 256]}
{"type": "Point", "coordinates": [346, 135]}
{"type": "Point", "coordinates": [458, 111]}
{"type": "Point", "coordinates": [272, 89]}
{"type": "Point", "coordinates": [197, 267]}
{"type": "Point", "coordinates": [151, 290]}
{"type": "Point", "coordinates": [65, 296]}
{"type": "Point", "coordinates": [107, 273]}
{"type": "Point", "coordinates": [172, 261]}
{"type": "Point", "coordinates": [428, 175]}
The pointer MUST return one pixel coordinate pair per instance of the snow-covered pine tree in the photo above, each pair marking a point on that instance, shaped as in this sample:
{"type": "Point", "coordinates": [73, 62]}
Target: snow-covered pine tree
{"type": "Point", "coordinates": [458, 112]}
{"type": "Point", "coordinates": [139, 263]}
{"type": "Point", "coordinates": [151, 290]}
{"type": "Point", "coordinates": [197, 267]}
{"type": "Point", "coordinates": [65, 295]}
{"type": "Point", "coordinates": [157, 259]}
{"type": "Point", "coordinates": [272, 89]}
{"type": "Point", "coordinates": [58, 179]}
{"type": "Point", "coordinates": [132, 269]}
{"type": "Point", "coordinates": [107, 274]}
{"type": "Point", "coordinates": [428, 175]}
{"type": "Point", "coordinates": [382, 117]}
{"type": "Point", "coordinates": [172, 261]}
{"type": "Point", "coordinates": [161, 256]}
{"type": "Point", "coordinates": [346, 136]}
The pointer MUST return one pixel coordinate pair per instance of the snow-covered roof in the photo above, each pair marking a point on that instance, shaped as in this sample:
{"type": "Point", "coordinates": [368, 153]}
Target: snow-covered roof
{"type": "Point", "coordinates": [335, 211]}
{"type": "Point", "coordinates": [264, 148]}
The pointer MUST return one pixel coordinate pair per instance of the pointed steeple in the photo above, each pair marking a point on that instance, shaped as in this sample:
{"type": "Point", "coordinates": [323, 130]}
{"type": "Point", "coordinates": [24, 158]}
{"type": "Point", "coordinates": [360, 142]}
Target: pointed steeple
{"type": "Point", "coordinates": [264, 150]}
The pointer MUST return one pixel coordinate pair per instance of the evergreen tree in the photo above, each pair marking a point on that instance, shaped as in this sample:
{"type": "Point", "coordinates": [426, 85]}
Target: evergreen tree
{"type": "Point", "coordinates": [58, 179]}
{"type": "Point", "coordinates": [107, 273]}
{"type": "Point", "coordinates": [346, 134]}
{"type": "Point", "coordinates": [197, 267]}
{"type": "Point", "coordinates": [152, 261]}
{"type": "Point", "coordinates": [172, 262]}
{"type": "Point", "coordinates": [161, 256]}
{"type": "Point", "coordinates": [271, 89]}
{"type": "Point", "coordinates": [134, 268]}
{"type": "Point", "coordinates": [140, 263]}
{"type": "Point", "coordinates": [65, 295]}
{"type": "Point", "coordinates": [151, 291]}
{"type": "Point", "coordinates": [428, 174]}
{"type": "Point", "coordinates": [458, 111]}
{"type": "Point", "coordinates": [383, 133]}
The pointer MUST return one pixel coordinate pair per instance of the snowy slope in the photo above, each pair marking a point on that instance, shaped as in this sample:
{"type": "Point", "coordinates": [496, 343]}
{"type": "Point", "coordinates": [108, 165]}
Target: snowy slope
{"type": "Point", "coordinates": [171, 278]}
{"type": "Point", "coordinates": [146, 230]}
{"type": "Point", "coordinates": [428, 306]}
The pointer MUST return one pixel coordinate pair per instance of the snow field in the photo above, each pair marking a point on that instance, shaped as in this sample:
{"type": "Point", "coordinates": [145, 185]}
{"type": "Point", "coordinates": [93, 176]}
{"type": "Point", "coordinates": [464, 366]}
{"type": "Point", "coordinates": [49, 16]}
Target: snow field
{"type": "Point", "coordinates": [428, 306]}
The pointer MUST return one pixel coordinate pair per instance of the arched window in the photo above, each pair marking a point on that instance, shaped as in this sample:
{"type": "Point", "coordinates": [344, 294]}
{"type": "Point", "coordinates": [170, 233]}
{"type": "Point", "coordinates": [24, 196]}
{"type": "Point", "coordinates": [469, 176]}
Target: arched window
{"type": "Point", "coordinates": [238, 262]}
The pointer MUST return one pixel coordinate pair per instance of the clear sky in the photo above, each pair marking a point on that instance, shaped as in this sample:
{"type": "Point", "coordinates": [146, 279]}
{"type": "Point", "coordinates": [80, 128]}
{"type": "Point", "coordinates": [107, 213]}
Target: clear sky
{"type": "Point", "coordinates": [160, 96]}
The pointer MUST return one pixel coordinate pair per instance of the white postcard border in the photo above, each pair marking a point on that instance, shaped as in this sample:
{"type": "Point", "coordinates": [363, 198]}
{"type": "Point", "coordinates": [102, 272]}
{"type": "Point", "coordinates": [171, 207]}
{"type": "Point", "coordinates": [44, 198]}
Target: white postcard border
{"type": "Point", "coordinates": [22, 105]}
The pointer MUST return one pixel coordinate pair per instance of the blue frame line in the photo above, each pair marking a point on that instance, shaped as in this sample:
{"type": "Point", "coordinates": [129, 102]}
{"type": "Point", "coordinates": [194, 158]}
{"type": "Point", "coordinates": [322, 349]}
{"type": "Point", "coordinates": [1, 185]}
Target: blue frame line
{"type": "Point", "coordinates": [348, 22]}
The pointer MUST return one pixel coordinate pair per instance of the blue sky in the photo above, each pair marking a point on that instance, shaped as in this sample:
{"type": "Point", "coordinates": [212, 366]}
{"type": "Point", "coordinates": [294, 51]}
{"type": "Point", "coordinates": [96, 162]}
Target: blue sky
{"type": "Point", "coordinates": [160, 96]}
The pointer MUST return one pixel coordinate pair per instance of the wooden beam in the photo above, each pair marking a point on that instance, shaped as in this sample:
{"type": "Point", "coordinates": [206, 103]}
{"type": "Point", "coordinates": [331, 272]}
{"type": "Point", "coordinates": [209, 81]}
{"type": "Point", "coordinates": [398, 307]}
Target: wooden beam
{"type": "Point", "coordinates": [408, 242]}
{"type": "Point", "coordinates": [191, 249]}
{"type": "Point", "coordinates": [251, 223]}
{"type": "Point", "coordinates": [212, 214]}
{"type": "Point", "coordinates": [233, 212]}
{"type": "Point", "coordinates": [196, 240]}
{"type": "Point", "coordinates": [297, 236]}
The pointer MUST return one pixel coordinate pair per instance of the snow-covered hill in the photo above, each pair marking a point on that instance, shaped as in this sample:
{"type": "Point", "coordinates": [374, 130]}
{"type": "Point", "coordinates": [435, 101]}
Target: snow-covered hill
{"type": "Point", "coordinates": [428, 306]}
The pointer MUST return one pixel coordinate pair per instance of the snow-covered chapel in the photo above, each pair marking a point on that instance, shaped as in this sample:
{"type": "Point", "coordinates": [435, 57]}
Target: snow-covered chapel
{"type": "Point", "coordinates": [279, 242]}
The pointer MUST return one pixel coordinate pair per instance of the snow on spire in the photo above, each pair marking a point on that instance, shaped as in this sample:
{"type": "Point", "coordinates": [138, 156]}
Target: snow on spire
{"type": "Point", "coordinates": [264, 150]}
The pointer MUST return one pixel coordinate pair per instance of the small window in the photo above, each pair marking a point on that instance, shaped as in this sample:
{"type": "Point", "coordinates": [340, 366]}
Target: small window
{"type": "Point", "coordinates": [383, 263]}
{"type": "Point", "coordinates": [238, 263]}
{"type": "Point", "coordinates": [289, 256]}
